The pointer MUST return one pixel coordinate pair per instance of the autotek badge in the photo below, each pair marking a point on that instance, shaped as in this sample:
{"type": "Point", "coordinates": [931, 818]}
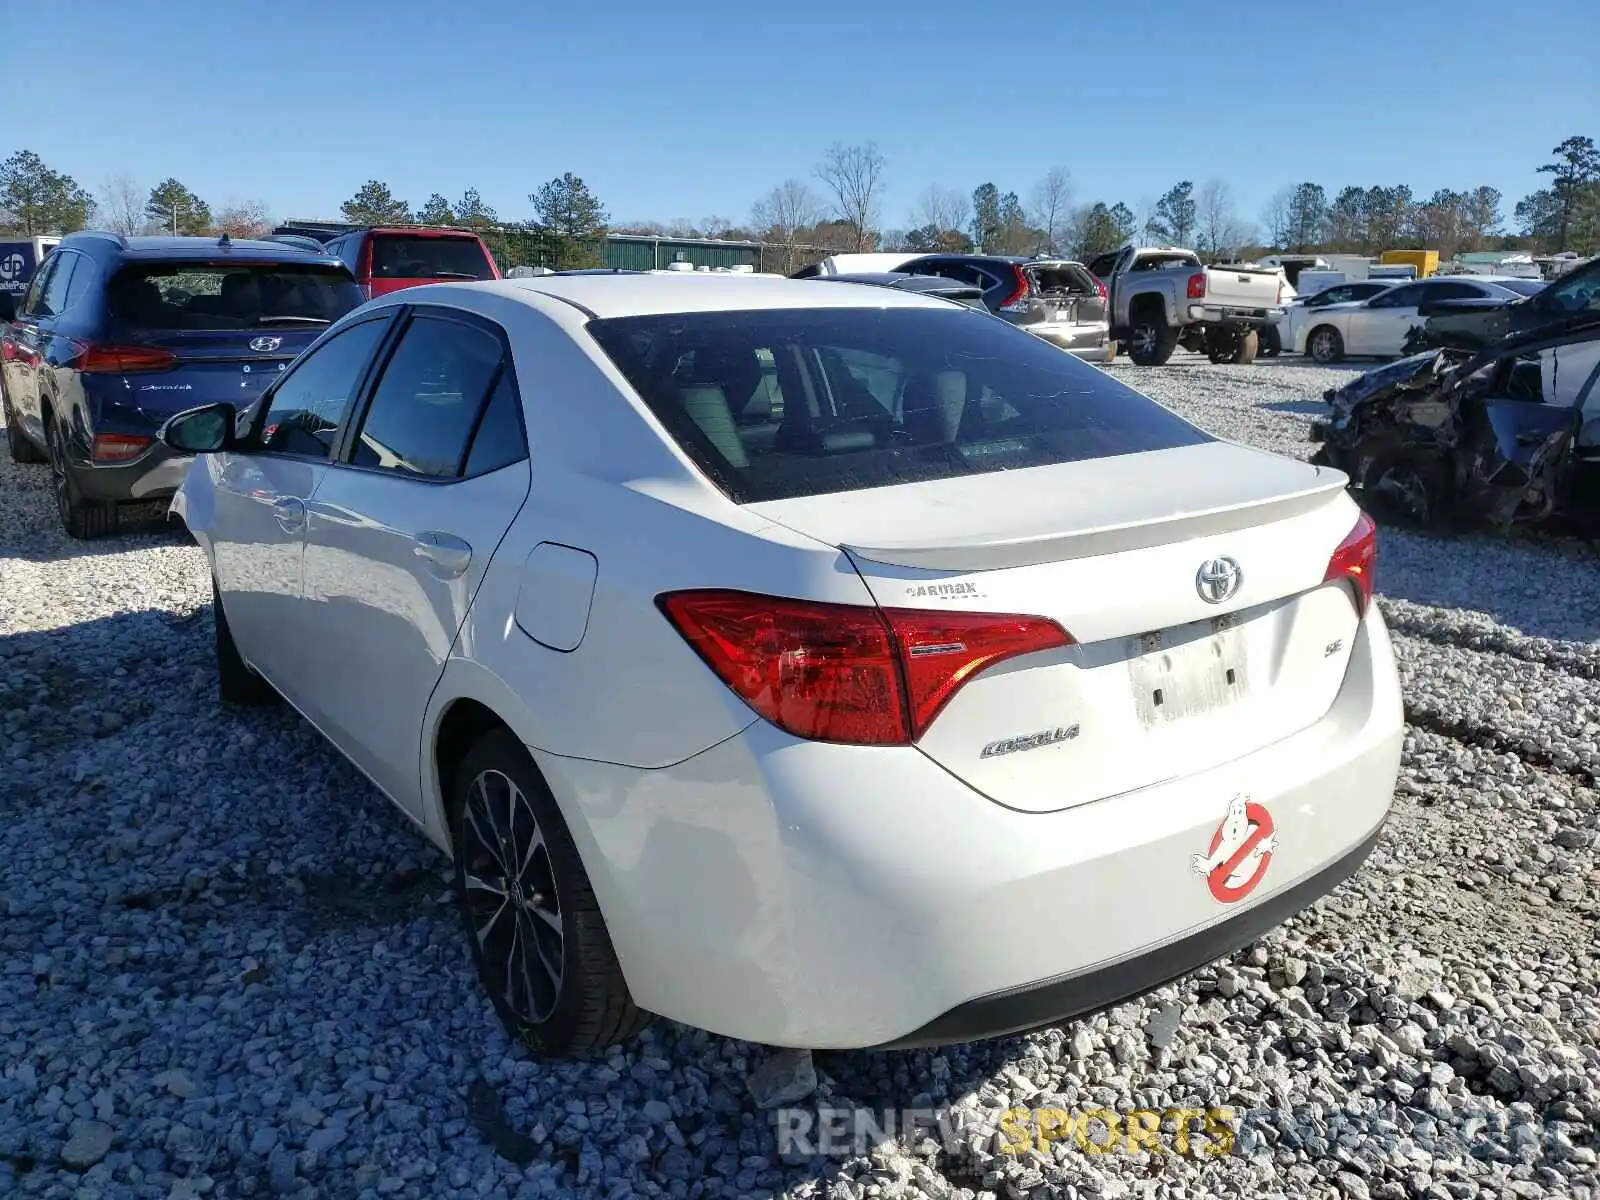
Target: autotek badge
{"type": "Point", "coordinates": [1030, 741]}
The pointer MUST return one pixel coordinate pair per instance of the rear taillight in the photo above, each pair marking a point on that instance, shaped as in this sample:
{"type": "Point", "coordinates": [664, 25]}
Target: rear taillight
{"type": "Point", "coordinates": [1100, 286]}
{"type": "Point", "coordinates": [1356, 560]}
{"type": "Point", "coordinates": [118, 447]}
{"type": "Point", "coordinates": [844, 672]}
{"type": "Point", "coordinates": [1197, 286]}
{"type": "Point", "coordinates": [121, 360]}
{"type": "Point", "coordinates": [1017, 301]}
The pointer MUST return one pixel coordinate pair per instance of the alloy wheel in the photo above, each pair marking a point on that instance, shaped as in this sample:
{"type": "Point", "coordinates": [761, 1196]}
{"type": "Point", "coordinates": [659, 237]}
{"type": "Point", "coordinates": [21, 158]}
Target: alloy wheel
{"type": "Point", "coordinates": [1322, 346]}
{"type": "Point", "coordinates": [511, 896]}
{"type": "Point", "coordinates": [58, 474]}
{"type": "Point", "coordinates": [1143, 340]}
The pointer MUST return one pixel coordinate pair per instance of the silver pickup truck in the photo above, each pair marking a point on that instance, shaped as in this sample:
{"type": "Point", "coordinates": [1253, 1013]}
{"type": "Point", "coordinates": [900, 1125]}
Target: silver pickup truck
{"type": "Point", "coordinates": [1162, 297]}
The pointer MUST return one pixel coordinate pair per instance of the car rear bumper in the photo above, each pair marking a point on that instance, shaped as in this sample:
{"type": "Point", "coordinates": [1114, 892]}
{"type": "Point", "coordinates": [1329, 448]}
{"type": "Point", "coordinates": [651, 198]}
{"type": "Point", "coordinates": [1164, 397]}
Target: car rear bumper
{"type": "Point", "coordinates": [1087, 341]}
{"type": "Point", "coordinates": [802, 894]}
{"type": "Point", "coordinates": [154, 475]}
{"type": "Point", "coordinates": [1222, 314]}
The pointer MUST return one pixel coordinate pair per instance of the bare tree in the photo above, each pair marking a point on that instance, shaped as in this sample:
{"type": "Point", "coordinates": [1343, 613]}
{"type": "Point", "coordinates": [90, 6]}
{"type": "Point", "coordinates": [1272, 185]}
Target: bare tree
{"type": "Point", "coordinates": [243, 219]}
{"type": "Point", "coordinates": [943, 208]}
{"type": "Point", "coordinates": [1218, 228]}
{"type": "Point", "coordinates": [1052, 208]}
{"type": "Point", "coordinates": [1276, 216]}
{"type": "Point", "coordinates": [853, 176]}
{"type": "Point", "coordinates": [784, 214]}
{"type": "Point", "coordinates": [121, 205]}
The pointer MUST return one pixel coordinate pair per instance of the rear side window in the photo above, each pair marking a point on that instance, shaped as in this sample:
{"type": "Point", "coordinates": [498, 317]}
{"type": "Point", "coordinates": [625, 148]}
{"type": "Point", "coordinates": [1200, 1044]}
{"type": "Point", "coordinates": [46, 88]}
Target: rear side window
{"type": "Point", "coordinates": [53, 299]}
{"type": "Point", "coordinates": [500, 440]}
{"type": "Point", "coordinates": [426, 406]}
{"type": "Point", "coordinates": [397, 256]}
{"type": "Point", "coordinates": [871, 398]}
{"type": "Point", "coordinates": [214, 296]}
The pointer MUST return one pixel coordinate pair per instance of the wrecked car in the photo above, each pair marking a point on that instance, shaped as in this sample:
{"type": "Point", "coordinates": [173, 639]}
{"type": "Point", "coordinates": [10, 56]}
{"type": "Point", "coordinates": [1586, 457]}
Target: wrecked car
{"type": "Point", "coordinates": [1509, 434]}
{"type": "Point", "coordinates": [1572, 300]}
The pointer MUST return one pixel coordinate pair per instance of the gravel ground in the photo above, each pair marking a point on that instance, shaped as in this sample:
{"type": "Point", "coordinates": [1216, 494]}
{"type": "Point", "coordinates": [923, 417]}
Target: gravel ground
{"type": "Point", "coordinates": [229, 968]}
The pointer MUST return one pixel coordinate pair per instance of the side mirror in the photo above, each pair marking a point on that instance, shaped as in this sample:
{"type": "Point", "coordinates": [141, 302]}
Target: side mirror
{"type": "Point", "coordinates": [8, 307]}
{"type": "Point", "coordinates": [206, 430]}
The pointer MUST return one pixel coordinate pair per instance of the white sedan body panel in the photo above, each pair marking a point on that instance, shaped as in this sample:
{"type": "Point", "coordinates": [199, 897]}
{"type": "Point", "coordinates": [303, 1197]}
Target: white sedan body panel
{"type": "Point", "coordinates": [804, 892]}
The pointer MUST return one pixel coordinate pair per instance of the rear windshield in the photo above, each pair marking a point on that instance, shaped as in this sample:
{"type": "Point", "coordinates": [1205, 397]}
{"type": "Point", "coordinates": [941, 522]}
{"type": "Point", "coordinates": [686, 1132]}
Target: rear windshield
{"type": "Point", "coordinates": [191, 295]}
{"type": "Point", "coordinates": [778, 403]}
{"type": "Point", "coordinates": [396, 256]}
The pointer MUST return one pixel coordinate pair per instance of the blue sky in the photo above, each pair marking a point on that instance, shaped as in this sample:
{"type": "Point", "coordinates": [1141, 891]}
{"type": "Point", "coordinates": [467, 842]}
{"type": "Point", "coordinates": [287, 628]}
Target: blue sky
{"type": "Point", "coordinates": [686, 110]}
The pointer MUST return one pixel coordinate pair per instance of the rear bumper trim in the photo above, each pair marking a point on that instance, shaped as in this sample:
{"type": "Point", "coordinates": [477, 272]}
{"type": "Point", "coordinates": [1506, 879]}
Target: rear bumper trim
{"type": "Point", "coordinates": [1033, 1006]}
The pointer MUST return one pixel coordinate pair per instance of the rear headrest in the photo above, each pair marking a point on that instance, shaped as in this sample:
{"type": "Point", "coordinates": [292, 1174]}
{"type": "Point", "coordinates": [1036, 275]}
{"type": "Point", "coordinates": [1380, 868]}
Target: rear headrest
{"type": "Point", "coordinates": [707, 407]}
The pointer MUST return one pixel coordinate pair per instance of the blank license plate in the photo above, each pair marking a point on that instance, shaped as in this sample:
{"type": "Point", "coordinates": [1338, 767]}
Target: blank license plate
{"type": "Point", "coordinates": [1174, 679]}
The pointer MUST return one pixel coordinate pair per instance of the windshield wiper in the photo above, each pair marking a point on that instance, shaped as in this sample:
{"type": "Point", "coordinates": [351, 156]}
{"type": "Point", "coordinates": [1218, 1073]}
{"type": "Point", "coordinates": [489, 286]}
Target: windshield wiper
{"type": "Point", "coordinates": [290, 320]}
{"type": "Point", "coordinates": [453, 275]}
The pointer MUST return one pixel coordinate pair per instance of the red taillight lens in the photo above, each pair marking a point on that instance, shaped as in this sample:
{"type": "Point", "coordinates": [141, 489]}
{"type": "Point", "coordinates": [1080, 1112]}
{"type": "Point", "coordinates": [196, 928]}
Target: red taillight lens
{"type": "Point", "coordinates": [940, 651]}
{"type": "Point", "coordinates": [1017, 301]}
{"type": "Point", "coordinates": [122, 360]}
{"type": "Point", "coordinates": [1356, 559]}
{"type": "Point", "coordinates": [843, 672]}
{"type": "Point", "coordinates": [1197, 286]}
{"type": "Point", "coordinates": [1100, 286]}
{"type": "Point", "coordinates": [118, 447]}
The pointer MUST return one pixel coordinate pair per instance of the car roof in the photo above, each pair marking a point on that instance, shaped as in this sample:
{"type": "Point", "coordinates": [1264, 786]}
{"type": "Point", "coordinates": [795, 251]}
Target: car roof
{"type": "Point", "coordinates": [420, 231]}
{"type": "Point", "coordinates": [604, 296]}
{"type": "Point", "coordinates": [211, 249]}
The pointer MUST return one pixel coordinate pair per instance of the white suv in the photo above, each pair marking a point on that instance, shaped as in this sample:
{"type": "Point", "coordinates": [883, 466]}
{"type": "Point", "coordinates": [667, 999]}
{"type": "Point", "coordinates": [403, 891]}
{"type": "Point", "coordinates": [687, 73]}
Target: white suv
{"type": "Point", "coordinates": [826, 667]}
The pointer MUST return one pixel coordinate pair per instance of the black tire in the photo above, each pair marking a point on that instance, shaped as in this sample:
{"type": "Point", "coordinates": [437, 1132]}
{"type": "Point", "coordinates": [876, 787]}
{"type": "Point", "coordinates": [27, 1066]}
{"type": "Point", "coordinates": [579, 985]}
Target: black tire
{"type": "Point", "coordinates": [82, 519]}
{"type": "Point", "coordinates": [1407, 488]}
{"type": "Point", "coordinates": [1244, 350]}
{"type": "Point", "coordinates": [236, 682]}
{"type": "Point", "coordinates": [583, 1003]}
{"type": "Point", "coordinates": [1325, 345]}
{"type": "Point", "coordinates": [1271, 342]}
{"type": "Point", "coordinates": [1151, 341]}
{"type": "Point", "coordinates": [22, 450]}
{"type": "Point", "coordinates": [1220, 344]}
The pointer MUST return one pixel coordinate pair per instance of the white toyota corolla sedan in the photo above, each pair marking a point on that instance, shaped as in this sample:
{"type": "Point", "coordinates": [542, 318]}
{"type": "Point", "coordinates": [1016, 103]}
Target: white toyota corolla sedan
{"type": "Point", "coordinates": [830, 667]}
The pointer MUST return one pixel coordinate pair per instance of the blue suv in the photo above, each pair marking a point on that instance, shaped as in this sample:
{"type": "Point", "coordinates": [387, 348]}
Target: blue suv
{"type": "Point", "coordinates": [115, 335]}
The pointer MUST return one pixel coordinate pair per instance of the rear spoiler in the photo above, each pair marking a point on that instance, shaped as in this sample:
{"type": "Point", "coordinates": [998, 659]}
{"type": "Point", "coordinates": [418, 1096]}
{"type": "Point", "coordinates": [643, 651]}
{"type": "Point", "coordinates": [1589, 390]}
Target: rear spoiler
{"type": "Point", "coordinates": [999, 553]}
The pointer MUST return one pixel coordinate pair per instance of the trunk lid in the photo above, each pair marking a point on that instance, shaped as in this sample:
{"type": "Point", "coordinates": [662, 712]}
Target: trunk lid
{"type": "Point", "coordinates": [1068, 291]}
{"type": "Point", "coordinates": [1160, 682]}
{"type": "Point", "coordinates": [232, 366]}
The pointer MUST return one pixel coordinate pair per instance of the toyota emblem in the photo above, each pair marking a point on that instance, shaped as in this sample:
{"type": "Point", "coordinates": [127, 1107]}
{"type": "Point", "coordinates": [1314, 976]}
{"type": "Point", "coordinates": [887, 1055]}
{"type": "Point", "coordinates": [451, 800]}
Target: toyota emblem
{"type": "Point", "coordinates": [1218, 579]}
{"type": "Point", "coordinates": [264, 344]}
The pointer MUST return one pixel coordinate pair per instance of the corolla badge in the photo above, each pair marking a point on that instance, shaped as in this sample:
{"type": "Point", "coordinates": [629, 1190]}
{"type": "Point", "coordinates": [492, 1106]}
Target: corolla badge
{"type": "Point", "coordinates": [265, 344]}
{"type": "Point", "coordinates": [1218, 579]}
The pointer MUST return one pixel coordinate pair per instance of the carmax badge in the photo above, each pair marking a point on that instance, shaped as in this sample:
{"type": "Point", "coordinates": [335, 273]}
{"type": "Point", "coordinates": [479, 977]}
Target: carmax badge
{"type": "Point", "coordinates": [1030, 741]}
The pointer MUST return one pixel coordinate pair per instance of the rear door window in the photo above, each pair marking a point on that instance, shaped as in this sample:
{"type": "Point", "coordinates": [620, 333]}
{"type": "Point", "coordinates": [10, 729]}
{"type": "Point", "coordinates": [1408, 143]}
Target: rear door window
{"type": "Point", "coordinates": [874, 397]}
{"type": "Point", "coordinates": [427, 403]}
{"type": "Point", "coordinates": [237, 295]}
{"type": "Point", "coordinates": [400, 256]}
{"type": "Point", "coordinates": [305, 411]}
